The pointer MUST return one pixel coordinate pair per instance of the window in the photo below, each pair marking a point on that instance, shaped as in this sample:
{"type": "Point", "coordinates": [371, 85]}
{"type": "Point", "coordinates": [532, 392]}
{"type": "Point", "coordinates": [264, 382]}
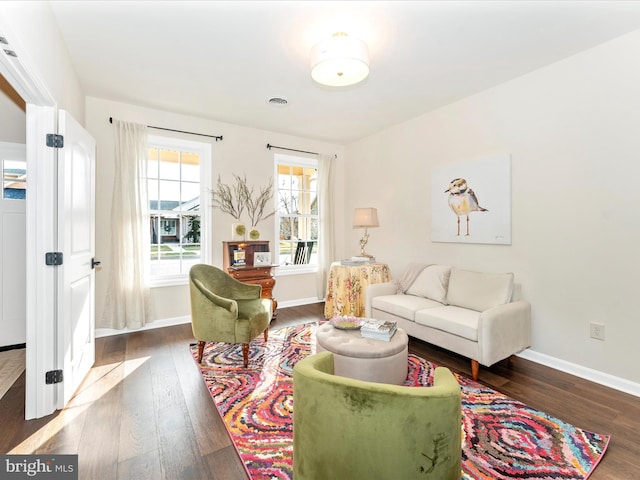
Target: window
{"type": "Point", "coordinates": [177, 174]}
{"type": "Point", "coordinates": [297, 212]}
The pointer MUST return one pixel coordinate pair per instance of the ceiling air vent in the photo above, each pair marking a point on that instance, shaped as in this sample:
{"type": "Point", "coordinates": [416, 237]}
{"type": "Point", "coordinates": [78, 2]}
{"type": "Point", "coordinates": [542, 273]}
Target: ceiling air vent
{"type": "Point", "coordinates": [279, 101]}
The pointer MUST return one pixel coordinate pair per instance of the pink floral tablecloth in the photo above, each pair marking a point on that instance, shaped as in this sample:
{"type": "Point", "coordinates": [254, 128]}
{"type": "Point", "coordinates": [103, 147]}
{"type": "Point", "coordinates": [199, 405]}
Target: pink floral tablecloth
{"type": "Point", "coordinates": [347, 284]}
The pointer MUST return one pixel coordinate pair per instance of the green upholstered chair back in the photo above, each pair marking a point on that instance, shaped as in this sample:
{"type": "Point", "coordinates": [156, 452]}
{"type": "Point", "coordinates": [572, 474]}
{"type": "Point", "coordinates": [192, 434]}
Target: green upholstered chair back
{"type": "Point", "coordinates": [224, 309]}
{"type": "Point", "coordinates": [350, 429]}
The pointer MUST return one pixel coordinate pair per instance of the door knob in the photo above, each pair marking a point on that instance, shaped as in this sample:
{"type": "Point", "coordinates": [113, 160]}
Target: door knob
{"type": "Point", "coordinates": [95, 263]}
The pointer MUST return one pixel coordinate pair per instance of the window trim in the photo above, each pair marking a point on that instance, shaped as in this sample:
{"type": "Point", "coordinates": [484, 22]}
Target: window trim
{"type": "Point", "coordinates": [298, 161]}
{"type": "Point", "coordinates": [204, 149]}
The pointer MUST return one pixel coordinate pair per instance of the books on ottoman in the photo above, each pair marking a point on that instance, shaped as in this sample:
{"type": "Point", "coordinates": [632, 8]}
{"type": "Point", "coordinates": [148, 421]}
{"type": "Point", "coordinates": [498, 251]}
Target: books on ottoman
{"type": "Point", "coordinates": [378, 329]}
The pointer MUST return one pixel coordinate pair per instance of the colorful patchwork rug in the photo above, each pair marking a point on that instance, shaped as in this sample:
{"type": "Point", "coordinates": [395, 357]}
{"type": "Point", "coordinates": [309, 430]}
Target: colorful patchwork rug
{"type": "Point", "coordinates": [501, 437]}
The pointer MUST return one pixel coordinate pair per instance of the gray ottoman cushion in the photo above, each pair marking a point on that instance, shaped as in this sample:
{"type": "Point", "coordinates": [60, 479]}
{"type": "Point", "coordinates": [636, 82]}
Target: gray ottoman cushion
{"type": "Point", "coordinates": [365, 358]}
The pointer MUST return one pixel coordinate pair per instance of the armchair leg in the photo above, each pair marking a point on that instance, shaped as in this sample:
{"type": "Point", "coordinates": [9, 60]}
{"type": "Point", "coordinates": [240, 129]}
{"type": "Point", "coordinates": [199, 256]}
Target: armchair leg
{"type": "Point", "coordinates": [266, 334]}
{"type": "Point", "coordinates": [200, 350]}
{"type": "Point", "coordinates": [245, 354]}
{"type": "Point", "coordinates": [475, 369]}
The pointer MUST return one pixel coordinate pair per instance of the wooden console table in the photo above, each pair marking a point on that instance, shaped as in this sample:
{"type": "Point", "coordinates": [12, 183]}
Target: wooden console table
{"type": "Point", "coordinates": [249, 273]}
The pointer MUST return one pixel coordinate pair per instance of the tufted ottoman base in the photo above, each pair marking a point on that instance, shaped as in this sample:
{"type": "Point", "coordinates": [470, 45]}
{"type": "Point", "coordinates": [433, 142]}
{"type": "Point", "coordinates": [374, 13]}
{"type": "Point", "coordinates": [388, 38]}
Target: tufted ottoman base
{"type": "Point", "coordinates": [365, 358]}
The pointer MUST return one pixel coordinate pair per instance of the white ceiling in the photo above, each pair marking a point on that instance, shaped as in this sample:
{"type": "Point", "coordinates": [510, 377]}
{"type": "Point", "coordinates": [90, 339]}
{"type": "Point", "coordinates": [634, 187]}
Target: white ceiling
{"type": "Point", "coordinates": [223, 60]}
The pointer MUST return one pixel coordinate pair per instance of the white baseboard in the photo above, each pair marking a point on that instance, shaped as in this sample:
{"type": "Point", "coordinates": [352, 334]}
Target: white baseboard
{"type": "Point", "coordinates": [595, 376]}
{"type": "Point", "coordinates": [165, 322]}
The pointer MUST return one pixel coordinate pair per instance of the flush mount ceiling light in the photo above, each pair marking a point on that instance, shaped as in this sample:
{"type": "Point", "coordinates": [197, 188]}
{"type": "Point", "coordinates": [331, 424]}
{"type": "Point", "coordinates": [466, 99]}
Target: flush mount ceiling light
{"type": "Point", "coordinates": [339, 61]}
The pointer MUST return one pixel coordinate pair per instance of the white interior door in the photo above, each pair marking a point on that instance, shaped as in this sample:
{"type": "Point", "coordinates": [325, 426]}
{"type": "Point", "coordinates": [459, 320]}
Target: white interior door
{"type": "Point", "coordinates": [75, 349]}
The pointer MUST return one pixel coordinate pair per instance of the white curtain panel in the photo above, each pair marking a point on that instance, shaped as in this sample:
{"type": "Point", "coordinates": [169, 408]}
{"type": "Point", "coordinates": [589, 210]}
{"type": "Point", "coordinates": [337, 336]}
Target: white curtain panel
{"type": "Point", "coordinates": [326, 243]}
{"type": "Point", "coordinates": [127, 297]}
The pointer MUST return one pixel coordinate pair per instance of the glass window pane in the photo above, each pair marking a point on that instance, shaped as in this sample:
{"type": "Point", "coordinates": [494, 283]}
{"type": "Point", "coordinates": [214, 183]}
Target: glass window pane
{"type": "Point", "coordinates": [295, 202]}
{"type": "Point", "coordinates": [191, 230]}
{"type": "Point", "coordinates": [295, 228]}
{"type": "Point", "coordinates": [304, 228]}
{"type": "Point", "coordinates": [284, 176]}
{"type": "Point", "coordinates": [153, 194]}
{"type": "Point", "coordinates": [296, 181]}
{"type": "Point", "coordinates": [169, 195]}
{"type": "Point", "coordinates": [285, 253]}
{"type": "Point", "coordinates": [190, 195]}
{"type": "Point", "coordinates": [169, 164]}
{"type": "Point", "coordinates": [284, 203]}
{"type": "Point", "coordinates": [285, 228]}
{"type": "Point", "coordinates": [190, 167]}
{"type": "Point", "coordinates": [304, 202]}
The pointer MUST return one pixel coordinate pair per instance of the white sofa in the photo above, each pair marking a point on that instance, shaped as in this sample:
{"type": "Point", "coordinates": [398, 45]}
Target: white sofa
{"type": "Point", "coordinates": [477, 315]}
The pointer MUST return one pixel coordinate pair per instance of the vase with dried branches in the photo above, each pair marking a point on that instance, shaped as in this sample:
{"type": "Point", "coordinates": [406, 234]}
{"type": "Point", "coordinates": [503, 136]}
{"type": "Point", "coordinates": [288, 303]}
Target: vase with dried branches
{"type": "Point", "coordinates": [236, 198]}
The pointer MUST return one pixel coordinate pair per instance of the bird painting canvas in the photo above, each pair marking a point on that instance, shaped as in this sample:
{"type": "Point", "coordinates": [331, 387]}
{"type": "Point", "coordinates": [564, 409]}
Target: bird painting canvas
{"type": "Point", "coordinates": [462, 201]}
{"type": "Point", "coordinates": [481, 214]}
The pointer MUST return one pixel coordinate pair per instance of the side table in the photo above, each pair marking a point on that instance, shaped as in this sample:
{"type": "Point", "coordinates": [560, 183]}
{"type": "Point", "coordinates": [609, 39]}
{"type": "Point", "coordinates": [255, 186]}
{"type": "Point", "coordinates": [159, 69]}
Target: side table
{"type": "Point", "coordinates": [249, 272]}
{"type": "Point", "coordinates": [346, 286]}
{"type": "Point", "coordinates": [260, 275]}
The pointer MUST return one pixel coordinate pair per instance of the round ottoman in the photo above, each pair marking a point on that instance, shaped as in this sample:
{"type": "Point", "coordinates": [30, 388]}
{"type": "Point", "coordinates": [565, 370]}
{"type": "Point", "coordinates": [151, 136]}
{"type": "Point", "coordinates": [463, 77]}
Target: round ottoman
{"type": "Point", "coordinates": [365, 358]}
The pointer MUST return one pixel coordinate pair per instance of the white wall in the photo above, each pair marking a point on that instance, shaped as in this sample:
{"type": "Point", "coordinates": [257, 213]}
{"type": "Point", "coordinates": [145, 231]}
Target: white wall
{"type": "Point", "coordinates": [31, 27]}
{"type": "Point", "coordinates": [13, 124]}
{"type": "Point", "coordinates": [572, 131]}
{"type": "Point", "coordinates": [243, 150]}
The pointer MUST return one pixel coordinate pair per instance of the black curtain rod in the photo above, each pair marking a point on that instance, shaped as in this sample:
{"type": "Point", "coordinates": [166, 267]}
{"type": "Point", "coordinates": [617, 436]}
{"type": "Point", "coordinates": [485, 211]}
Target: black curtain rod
{"type": "Point", "coordinates": [217, 137]}
{"type": "Point", "coordinates": [269, 146]}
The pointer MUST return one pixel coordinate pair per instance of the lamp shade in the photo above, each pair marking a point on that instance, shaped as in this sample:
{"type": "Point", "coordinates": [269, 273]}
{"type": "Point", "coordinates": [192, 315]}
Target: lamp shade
{"type": "Point", "coordinates": [365, 217]}
{"type": "Point", "coordinates": [339, 61]}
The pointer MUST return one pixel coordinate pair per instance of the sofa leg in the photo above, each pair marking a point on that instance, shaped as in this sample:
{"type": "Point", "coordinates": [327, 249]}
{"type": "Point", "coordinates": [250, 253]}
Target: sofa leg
{"type": "Point", "coordinates": [475, 369]}
{"type": "Point", "coordinates": [200, 350]}
{"type": "Point", "coordinates": [266, 334]}
{"type": "Point", "coordinates": [510, 360]}
{"type": "Point", "coordinates": [245, 354]}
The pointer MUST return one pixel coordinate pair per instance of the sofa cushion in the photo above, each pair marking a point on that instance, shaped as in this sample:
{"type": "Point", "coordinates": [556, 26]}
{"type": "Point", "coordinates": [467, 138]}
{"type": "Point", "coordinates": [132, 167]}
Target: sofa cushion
{"type": "Point", "coordinates": [401, 305]}
{"type": "Point", "coordinates": [431, 283]}
{"type": "Point", "coordinates": [455, 320]}
{"type": "Point", "coordinates": [479, 291]}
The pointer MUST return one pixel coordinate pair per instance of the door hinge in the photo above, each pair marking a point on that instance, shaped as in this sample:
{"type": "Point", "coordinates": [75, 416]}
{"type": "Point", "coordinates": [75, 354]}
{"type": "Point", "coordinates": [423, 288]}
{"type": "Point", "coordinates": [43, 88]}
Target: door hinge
{"type": "Point", "coordinates": [54, 140]}
{"type": "Point", "coordinates": [53, 258]}
{"type": "Point", "coordinates": [53, 376]}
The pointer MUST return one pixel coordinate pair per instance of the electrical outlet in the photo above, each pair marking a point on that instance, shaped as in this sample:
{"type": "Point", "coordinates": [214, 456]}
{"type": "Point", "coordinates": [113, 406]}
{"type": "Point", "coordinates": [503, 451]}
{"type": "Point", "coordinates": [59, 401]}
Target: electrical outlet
{"type": "Point", "coordinates": [597, 331]}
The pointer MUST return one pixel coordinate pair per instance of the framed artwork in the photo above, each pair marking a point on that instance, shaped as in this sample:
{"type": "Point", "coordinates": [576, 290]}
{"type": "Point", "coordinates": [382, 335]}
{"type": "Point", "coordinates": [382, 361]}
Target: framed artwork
{"type": "Point", "coordinates": [262, 258]}
{"type": "Point", "coordinates": [471, 202]}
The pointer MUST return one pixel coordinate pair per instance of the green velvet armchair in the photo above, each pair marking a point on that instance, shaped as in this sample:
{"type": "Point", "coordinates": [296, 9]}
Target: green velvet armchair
{"type": "Point", "coordinates": [226, 310]}
{"type": "Point", "coordinates": [346, 428]}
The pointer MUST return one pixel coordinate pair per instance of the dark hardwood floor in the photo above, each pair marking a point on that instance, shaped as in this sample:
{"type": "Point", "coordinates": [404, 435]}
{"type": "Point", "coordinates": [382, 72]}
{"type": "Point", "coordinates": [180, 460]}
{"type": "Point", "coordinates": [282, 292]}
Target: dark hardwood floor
{"type": "Point", "coordinates": [144, 412]}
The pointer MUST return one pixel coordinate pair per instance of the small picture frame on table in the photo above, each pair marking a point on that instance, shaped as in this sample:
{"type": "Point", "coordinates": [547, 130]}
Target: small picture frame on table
{"type": "Point", "coordinates": [262, 258]}
{"type": "Point", "coordinates": [239, 258]}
